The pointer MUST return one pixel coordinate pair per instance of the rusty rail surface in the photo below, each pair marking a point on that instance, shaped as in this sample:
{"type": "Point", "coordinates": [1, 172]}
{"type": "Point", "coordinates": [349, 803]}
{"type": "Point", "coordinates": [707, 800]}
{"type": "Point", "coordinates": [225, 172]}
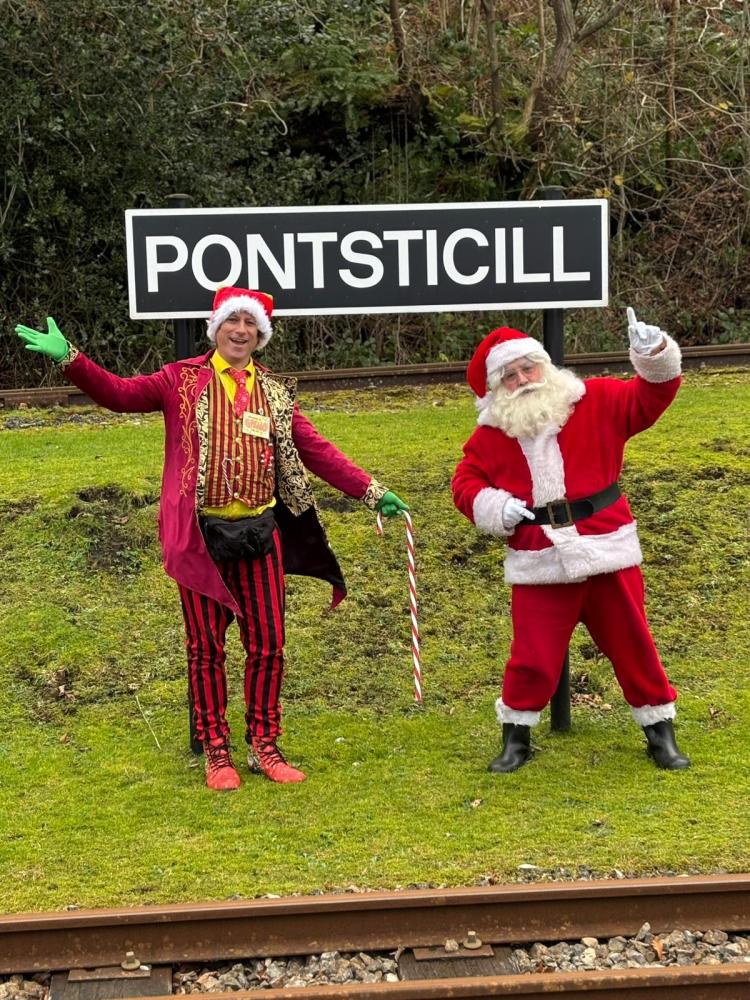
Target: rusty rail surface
{"type": "Point", "coordinates": [372, 921]}
{"type": "Point", "coordinates": [721, 355]}
{"type": "Point", "coordinates": [726, 982]}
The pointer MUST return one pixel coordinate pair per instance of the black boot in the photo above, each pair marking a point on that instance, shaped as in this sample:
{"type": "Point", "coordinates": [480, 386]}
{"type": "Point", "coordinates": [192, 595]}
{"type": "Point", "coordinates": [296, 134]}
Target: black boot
{"type": "Point", "coordinates": [662, 747]}
{"type": "Point", "coordinates": [516, 749]}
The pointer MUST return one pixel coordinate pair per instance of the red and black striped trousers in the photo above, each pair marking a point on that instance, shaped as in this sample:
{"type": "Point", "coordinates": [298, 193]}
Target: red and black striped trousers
{"type": "Point", "coordinates": [258, 587]}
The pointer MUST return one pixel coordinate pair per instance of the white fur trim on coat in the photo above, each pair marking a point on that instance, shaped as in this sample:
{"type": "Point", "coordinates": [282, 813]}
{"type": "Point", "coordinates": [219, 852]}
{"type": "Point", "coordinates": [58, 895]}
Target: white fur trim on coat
{"type": "Point", "coordinates": [545, 462]}
{"type": "Point", "coordinates": [488, 511]}
{"type": "Point", "coordinates": [661, 367]}
{"type": "Point", "coordinates": [241, 303]}
{"type": "Point", "coordinates": [515, 716]}
{"type": "Point", "coordinates": [575, 557]}
{"type": "Point", "coordinates": [647, 715]}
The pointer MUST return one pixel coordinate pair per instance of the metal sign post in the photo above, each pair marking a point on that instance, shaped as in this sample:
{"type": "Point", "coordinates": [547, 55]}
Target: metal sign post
{"type": "Point", "coordinates": [184, 330]}
{"type": "Point", "coordinates": [555, 347]}
{"type": "Point", "coordinates": [554, 344]}
{"type": "Point", "coordinates": [184, 347]}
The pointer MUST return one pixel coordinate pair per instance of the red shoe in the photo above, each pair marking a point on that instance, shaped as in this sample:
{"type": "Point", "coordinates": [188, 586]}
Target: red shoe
{"type": "Point", "coordinates": [221, 774]}
{"type": "Point", "coordinates": [264, 757]}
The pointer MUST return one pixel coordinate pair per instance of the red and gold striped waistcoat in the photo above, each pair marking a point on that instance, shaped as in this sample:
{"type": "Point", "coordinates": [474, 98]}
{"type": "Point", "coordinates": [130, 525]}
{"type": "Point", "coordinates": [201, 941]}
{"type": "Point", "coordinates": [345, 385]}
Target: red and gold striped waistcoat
{"type": "Point", "coordinates": [239, 466]}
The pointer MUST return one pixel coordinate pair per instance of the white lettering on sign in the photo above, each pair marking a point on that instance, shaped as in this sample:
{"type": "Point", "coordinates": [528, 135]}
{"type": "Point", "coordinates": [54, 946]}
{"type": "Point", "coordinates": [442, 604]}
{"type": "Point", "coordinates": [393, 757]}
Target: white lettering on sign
{"type": "Point", "coordinates": [449, 250]}
{"type": "Point", "coordinates": [500, 269]}
{"type": "Point", "coordinates": [257, 248]}
{"type": "Point", "coordinates": [519, 274]}
{"type": "Point", "coordinates": [432, 256]}
{"type": "Point", "coordinates": [235, 261]}
{"type": "Point", "coordinates": [413, 246]}
{"type": "Point", "coordinates": [403, 237]}
{"type": "Point", "coordinates": [558, 259]}
{"type": "Point", "coordinates": [353, 256]}
{"type": "Point", "coordinates": [155, 267]}
{"type": "Point", "coordinates": [317, 240]}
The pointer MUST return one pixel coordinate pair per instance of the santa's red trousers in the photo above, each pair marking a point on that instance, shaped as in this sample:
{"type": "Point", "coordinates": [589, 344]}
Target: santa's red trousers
{"type": "Point", "coordinates": [258, 587]}
{"type": "Point", "coordinates": [611, 606]}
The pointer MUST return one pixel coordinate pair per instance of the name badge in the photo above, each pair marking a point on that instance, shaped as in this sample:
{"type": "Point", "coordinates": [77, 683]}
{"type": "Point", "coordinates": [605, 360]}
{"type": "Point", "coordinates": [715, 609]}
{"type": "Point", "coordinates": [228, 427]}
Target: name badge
{"type": "Point", "coordinates": [257, 425]}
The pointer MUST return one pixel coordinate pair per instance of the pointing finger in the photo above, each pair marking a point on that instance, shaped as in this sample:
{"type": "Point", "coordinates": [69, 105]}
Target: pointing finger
{"type": "Point", "coordinates": [631, 316]}
{"type": "Point", "coordinates": [529, 514]}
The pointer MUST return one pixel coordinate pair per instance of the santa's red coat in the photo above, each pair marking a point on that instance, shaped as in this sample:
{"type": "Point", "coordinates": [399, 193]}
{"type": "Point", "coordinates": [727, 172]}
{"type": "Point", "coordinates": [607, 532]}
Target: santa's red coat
{"type": "Point", "coordinates": [580, 459]}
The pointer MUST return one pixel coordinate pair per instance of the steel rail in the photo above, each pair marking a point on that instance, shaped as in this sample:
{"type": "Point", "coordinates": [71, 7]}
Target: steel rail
{"type": "Point", "coordinates": [725, 982]}
{"type": "Point", "coordinates": [371, 921]}
{"type": "Point", "coordinates": [383, 375]}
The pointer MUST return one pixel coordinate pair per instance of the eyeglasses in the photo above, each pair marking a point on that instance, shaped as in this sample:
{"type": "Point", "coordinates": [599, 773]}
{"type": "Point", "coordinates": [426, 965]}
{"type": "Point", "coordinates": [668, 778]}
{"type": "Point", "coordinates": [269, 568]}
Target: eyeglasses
{"type": "Point", "coordinates": [527, 369]}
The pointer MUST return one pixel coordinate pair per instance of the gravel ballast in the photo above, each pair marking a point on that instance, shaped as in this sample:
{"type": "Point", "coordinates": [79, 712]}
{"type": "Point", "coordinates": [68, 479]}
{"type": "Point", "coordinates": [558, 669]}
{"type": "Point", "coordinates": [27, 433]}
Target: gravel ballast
{"type": "Point", "coordinates": [645, 949]}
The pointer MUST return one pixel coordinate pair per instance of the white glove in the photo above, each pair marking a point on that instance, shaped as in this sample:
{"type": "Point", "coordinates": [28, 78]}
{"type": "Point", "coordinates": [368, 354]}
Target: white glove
{"type": "Point", "coordinates": [514, 511]}
{"type": "Point", "coordinates": [643, 338]}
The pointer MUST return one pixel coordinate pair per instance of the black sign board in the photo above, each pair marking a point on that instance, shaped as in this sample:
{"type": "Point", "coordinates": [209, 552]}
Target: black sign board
{"type": "Point", "coordinates": [371, 258]}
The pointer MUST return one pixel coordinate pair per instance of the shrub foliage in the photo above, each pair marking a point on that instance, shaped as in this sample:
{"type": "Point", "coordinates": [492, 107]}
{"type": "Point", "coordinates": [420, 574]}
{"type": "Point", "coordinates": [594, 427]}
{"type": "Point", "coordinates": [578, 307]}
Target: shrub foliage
{"type": "Point", "coordinates": [111, 105]}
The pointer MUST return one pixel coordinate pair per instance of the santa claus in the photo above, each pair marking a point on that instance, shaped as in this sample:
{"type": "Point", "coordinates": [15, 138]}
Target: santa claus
{"type": "Point", "coordinates": [541, 470]}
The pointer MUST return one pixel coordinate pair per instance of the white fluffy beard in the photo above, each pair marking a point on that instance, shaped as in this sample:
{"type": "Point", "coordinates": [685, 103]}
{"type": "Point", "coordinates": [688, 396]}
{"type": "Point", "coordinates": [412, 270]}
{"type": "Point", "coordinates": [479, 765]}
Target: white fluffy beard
{"type": "Point", "coordinates": [530, 408]}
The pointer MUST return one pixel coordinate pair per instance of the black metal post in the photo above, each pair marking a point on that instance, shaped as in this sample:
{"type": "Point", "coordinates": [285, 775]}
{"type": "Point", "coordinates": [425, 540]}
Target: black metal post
{"type": "Point", "coordinates": [554, 344]}
{"type": "Point", "coordinates": [184, 329]}
{"type": "Point", "coordinates": [184, 339]}
{"type": "Point", "coordinates": [184, 347]}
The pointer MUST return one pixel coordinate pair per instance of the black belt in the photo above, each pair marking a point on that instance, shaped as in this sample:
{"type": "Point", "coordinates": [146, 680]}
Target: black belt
{"type": "Point", "coordinates": [562, 513]}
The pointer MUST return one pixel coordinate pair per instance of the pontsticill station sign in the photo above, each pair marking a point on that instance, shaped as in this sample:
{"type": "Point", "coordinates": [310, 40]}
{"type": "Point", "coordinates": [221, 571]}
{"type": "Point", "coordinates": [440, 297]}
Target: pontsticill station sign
{"type": "Point", "coordinates": [371, 258]}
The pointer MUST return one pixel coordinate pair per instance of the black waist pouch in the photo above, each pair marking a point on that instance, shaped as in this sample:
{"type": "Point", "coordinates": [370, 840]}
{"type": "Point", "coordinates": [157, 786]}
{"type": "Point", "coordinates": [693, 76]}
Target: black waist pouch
{"type": "Point", "coordinates": [247, 538]}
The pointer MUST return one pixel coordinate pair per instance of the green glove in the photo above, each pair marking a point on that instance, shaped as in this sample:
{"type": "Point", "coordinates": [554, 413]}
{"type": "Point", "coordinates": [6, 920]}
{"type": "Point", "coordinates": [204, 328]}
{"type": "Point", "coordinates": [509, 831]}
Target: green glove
{"type": "Point", "coordinates": [52, 343]}
{"type": "Point", "coordinates": [390, 505]}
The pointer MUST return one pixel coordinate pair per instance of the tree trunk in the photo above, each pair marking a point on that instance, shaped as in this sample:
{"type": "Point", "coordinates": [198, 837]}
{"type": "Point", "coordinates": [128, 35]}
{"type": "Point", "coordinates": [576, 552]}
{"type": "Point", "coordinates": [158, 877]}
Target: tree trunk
{"type": "Point", "coordinates": [568, 35]}
{"type": "Point", "coordinates": [399, 40]}
{"type": "Point", "coordinates": [745, 105]}
{"type": "Point", "coordinates": [670, 135]}
{"type": "Point", "coordinates": [488, 9]}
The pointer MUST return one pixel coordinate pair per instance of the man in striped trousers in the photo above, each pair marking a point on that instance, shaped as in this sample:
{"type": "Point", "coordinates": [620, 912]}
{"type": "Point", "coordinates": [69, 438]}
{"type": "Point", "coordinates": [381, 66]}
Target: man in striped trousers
{"type": "Point", "coordinates": [236, 512]}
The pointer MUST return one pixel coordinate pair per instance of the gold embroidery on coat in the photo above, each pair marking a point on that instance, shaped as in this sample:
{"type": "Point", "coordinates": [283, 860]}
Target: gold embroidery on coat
{"type": "Point", "coordinates": [186, 392]}
{"type": "Point", "coordinates": [291, 479]}
{"type": "Point", "coordinates": [374, 494]}
{"type": "Point", "coordinates": [69, 358]}
{"type": "Point", "coordinates": [202, 426]}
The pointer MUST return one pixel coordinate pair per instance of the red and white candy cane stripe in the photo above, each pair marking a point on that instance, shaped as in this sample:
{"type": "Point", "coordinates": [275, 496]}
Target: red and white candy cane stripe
{"type": "Point", "coordinates": [412, 603]}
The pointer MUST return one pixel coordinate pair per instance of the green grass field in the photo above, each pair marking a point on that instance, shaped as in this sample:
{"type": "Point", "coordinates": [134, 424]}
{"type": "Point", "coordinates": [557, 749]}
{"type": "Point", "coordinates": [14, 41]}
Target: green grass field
{"type": "Point", "coordinates": [102, 804]}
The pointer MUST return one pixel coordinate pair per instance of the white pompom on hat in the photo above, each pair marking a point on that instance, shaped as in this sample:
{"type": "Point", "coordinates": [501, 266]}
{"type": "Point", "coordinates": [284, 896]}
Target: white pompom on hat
{"type": "Point", "coordinates": [230, 300]}
{"type": "Point", "coordinates": [497, 350]}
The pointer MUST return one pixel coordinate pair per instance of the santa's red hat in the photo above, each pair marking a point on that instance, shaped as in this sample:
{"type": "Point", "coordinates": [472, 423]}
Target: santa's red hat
{"type": "Point", "coordinates": [230, 300]}
{"type": "Point", "coordinates": [496, 351]}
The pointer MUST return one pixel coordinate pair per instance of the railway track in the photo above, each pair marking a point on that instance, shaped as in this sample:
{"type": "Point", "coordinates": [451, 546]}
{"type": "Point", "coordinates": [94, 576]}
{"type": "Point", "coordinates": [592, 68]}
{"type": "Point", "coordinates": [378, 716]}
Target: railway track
{"type": "Point", "coordinates": [383, 376]}
{"type": "Point", "coordinates": [386, 921]}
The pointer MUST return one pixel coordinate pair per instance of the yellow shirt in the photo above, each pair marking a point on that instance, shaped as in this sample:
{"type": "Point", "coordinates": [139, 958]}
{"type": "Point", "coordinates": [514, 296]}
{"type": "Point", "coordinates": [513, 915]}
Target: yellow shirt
{"type": "Point", "coordinates": [230, 386]}
{"type": "Point", "coordinates": [236, 509]}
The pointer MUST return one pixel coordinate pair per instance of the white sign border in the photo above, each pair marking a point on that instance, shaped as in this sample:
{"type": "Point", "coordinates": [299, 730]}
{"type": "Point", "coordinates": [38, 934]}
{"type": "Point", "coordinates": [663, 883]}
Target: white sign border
{"type": "Point", "coordinates": [603, 204]}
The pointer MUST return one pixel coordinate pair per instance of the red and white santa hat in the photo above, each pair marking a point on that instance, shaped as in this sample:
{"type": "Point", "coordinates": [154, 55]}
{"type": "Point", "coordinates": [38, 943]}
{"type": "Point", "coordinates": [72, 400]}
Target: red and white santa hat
{"type": "Point", "coordinates": [496, 351]}
{"type": "Point", "coordinates": [230, 300]}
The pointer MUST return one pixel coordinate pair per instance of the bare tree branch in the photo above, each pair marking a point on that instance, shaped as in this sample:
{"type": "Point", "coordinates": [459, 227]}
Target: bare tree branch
{"type": "Point", "coordinates": [601, 22]}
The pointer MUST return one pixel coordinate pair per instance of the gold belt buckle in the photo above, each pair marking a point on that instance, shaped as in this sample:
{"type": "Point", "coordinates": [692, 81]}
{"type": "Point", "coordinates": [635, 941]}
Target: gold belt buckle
{"type": "Point", "coordinates": [553, 521]}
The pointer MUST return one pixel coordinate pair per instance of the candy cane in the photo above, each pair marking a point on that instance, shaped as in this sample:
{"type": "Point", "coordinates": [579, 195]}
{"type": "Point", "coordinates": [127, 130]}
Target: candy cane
{"type": "Point", "coordinates": [412, 602]}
